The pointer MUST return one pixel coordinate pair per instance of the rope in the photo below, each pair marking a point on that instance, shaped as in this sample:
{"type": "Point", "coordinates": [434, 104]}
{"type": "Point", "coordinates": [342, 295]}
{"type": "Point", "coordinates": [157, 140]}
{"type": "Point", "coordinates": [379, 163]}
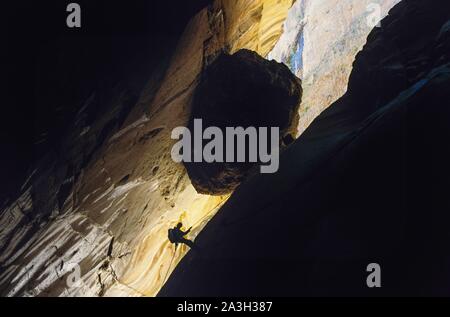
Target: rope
{"type": "Point", "coordinates": [170, 265]}
{"type": "Point", "coordinates": [114, 275]}
{"type": "Point", "coordinates": [198, 222]}
{"type": "Point", "coordinates": [130, 287]}
{"type": "Point", "coordinates": [173, 257]}
{"type": "Point", "coordinates": [209, 212]}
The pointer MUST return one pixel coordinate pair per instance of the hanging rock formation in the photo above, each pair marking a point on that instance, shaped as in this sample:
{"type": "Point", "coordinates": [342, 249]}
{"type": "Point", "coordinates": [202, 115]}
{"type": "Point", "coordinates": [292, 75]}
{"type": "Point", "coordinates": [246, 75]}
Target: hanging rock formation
{"type": "Point", "coordinates": [242, 90]}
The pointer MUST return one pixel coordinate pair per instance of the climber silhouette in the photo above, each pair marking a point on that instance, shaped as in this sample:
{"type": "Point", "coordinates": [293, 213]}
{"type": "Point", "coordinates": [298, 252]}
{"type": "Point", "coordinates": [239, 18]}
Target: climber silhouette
{"type": "Point", "coordinates": [176, 236]}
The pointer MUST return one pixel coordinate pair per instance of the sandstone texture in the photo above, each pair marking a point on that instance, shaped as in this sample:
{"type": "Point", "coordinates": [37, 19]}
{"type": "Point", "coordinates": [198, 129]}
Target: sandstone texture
{"type": "Point", "coordinates": [103, 202]}
{"type": "Point", "coordinates": [320, 41]}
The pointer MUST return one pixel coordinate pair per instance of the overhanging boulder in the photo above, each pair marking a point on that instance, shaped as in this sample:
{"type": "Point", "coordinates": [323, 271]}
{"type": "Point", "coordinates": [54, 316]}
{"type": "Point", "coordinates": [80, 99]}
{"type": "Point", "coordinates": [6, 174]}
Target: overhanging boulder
{"type": "Point", "coordinates": [242, 90]}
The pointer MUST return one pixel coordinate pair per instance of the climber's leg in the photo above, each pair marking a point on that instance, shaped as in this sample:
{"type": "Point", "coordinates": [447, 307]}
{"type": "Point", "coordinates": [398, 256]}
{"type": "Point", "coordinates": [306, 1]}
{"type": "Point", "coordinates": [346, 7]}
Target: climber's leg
{"type": "Point", "coordinates": [189, 243]}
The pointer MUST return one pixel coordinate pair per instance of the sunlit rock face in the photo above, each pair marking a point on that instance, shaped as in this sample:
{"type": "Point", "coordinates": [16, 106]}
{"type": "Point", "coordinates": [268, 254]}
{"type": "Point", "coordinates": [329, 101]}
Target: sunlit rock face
{"type": "Point", "coordinates": [242, 90]}
{"type": "Point", "coordinates": [103, 210]}
{"type": "Point", "coordinates": [319, 44]}
{"type": "Point", "coordinates": [255, 24]}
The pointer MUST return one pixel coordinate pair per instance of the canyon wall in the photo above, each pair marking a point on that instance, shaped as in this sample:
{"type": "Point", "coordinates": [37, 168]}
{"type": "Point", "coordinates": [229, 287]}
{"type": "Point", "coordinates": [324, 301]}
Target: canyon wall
{"type": "Point", "coordinates": [320, 41]}
{"type": "Point", "coordinates": [102, 207]}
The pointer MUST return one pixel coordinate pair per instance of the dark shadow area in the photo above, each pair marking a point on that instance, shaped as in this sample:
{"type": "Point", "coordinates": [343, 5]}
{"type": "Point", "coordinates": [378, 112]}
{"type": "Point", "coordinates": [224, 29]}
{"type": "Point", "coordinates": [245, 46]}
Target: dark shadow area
{"type": "Point", "coordinates": [49, 70]}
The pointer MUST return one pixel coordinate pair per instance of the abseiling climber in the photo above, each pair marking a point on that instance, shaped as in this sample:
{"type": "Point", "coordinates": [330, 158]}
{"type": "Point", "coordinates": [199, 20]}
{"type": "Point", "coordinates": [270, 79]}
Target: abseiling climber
{"type": "Point", "coordinates": [177, 236]}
